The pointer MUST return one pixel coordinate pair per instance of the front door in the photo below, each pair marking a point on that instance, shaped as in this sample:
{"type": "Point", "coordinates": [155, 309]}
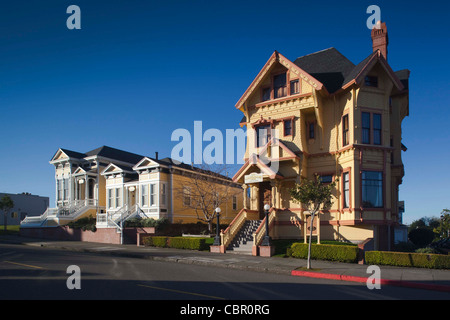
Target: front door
{"type": "Point", "coordinates": [265, 197]}
{"type": "Point", "coordinates": [131, 198]}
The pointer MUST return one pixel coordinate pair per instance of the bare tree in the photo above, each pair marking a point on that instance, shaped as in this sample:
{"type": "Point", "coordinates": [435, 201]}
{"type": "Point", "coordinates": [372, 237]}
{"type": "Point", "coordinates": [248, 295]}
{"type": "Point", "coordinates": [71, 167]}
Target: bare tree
{"type": "Point", "coordinates": [204, 189]}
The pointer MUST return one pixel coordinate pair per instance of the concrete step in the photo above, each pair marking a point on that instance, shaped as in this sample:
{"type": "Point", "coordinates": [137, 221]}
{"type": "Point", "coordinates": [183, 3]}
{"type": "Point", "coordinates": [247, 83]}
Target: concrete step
{"type": "Point", "coordinates": [243, 241]}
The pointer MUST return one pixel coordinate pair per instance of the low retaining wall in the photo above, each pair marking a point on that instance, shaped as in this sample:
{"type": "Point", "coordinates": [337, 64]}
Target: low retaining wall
{"type": "Point", "coordinates": [101, 235]}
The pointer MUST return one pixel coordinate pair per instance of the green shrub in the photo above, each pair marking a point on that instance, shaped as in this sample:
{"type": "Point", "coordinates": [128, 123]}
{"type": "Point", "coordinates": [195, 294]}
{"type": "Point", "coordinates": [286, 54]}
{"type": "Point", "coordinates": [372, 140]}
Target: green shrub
{"type": "Point", "coordinates": [342, 253]}
{"type": "Point", "coordinates": [178, 242]}
{"type": "Point", "coordinates": [403, 259]}
{"type": "Point", "coordinates": [426, 250]}
{"type": "Point", "coordinates": [146, 222]}
{"type": "Point", "coordinates": [85, 223]}
{"type": "Point", "coordinates": [187, 243]}
{"type": "Point", "coordinates": [155, 241]}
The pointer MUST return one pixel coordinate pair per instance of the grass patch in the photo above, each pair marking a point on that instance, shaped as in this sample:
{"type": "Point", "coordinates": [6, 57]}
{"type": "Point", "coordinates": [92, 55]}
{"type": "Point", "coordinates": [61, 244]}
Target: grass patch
{"type": "Point", "coordinates": [13, 229]}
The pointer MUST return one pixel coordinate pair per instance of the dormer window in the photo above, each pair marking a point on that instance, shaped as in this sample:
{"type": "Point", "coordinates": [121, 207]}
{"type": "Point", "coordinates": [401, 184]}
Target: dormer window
{"type": "Point", "coordinates": [279, 85]}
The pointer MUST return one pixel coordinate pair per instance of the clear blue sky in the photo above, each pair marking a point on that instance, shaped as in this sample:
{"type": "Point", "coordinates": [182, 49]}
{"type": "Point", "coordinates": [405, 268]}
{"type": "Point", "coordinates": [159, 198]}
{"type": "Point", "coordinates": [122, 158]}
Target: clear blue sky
{"type": "Point", "coordinates": [137, 70]}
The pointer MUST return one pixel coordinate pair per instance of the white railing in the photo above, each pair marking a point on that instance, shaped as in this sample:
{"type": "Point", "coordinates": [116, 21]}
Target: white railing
{"type": "Point", "coordinates": [114, 218]}
{"type": "Point", "coordinates": [70, 211]}
{"type": "Point", "coordinates": [39, 220]}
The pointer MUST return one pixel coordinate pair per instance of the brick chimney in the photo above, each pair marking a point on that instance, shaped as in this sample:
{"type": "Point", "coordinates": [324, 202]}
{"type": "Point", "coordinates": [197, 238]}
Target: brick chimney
{"type": "Point", "coordinates": [380, 38]}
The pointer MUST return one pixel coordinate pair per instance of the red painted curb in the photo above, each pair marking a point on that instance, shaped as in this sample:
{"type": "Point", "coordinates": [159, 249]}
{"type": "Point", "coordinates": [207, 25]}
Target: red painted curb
{"type": "Point", "coordinates": [332, 276]}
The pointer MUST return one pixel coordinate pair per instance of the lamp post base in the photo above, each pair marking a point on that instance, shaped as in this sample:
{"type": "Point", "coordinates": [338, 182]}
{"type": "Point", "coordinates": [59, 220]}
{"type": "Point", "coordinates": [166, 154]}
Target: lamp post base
{"type": "Point", "coordinates": [266, 251]}
{"type": "Point", "coordinates": [217, 249]}
{"type": "Point", "coordinates": [267, 241]}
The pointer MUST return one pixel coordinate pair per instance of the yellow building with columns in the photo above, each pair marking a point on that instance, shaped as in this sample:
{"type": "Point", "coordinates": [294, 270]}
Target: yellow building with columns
{"type": "Point", "coordinates": [322, 114]}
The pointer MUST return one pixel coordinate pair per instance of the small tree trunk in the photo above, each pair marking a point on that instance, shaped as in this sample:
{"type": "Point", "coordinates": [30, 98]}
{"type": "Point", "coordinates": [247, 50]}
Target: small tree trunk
{"type": "Point", "coordinates": [308, 264]}
{"type": "Point", "coordinates": [210, 226]}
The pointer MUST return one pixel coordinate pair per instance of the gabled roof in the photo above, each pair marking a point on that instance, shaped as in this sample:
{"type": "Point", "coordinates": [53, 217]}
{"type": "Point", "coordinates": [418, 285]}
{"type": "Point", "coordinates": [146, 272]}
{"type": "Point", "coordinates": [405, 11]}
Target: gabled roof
{"type": "Point", "coordinates": [82, 171]}
{"type": "Point", "coordinates": [147, 162]}
{"type": "Point", "coordinates": [69, 153]}
{"type": "Point", "coordinates": [113, 167]}
{"type": "Point", "coordinates": [255, 161]}
{"type": "Point", "coordinates": [278, 57]}
{"type": "Point", "coordinates": [336, 72]}
{"type": "Point", "coordinates": [362, 69]}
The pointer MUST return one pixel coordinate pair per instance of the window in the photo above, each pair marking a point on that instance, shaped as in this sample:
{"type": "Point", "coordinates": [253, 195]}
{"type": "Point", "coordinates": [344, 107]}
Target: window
{"type": "Point", "coordinates": [371, 128]}
{"type": "Point", "coordinates": [376, 128]}
{"type": "Point", "coordinates": [263, 135]}
{"type": "Point", "coordinates": [365, 127]}
{"type": "Point", "coordinates": [59, 190]}
{"type": "Point", "coordinates": [186, 196]}
{"type": "Point", "coordinates": [279, 85]}
{"type": "Point", "coordinates": [153, 194]}
{"type": "Point", "coordinates": [294, 85]}
{"type": "Point", "coordinates": [371, 81]}
{"type": "Point", "coordinates": [144, 195]}
{"type": "Point", "coordinates": [266, 94]}
{"type": "Point", "coordinates": [234, 203]}
{"type": "Point", "coordinates": [110, 198]}
{"type": "Point", "coordinates": [311, 133]}
{"type": "Point", "coordinates": [372, 189]}
{"type": "Point", "coordinates": [346, 178]}
{"type": "Point", "coordinates": [326, 178]}
{"type": "Point", "coordinates": [345, 130]}
{"type": "Point", "coordinates": [287, 127]}
{"type": "Point", "coordinates": [117, 198]}
{"type": "Point", "coordinates": [163, 194]}
{"type": "Point", "coordinates": [65, 189]}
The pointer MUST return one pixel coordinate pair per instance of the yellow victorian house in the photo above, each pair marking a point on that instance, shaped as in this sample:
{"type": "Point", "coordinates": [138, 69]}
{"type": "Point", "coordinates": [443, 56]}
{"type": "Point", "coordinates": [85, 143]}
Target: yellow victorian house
{"type": "Point", "coordinates": [321, 114]}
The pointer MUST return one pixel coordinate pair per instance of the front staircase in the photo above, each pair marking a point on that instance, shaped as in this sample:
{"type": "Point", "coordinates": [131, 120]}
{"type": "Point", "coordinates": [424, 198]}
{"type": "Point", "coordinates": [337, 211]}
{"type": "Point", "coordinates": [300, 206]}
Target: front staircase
{"type": "Point", "coordinates": [242, 243]}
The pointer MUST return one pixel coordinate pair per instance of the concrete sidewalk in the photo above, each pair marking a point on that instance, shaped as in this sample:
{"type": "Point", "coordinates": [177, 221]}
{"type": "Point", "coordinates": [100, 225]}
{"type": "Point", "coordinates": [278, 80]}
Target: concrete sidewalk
{"type": "Point", "coordinates": [431, 279]}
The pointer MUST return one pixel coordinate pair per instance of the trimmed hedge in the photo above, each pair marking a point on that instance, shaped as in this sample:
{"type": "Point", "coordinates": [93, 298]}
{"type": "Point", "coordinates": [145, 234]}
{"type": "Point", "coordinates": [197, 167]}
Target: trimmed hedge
{"type": "Point", "coordinates": [404, 259]}
{"type": "Point", "coordinates": [177, 242]}
{"type": "Point", "coordinates": [155, 241]}
{"type": "Point", "coordinates": [341, 253]}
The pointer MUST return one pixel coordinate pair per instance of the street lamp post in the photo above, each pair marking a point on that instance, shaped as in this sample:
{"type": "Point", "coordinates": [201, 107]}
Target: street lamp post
{"type": "Point", "coordinates": [266, 241]}
{"type": "Point", "coordinates": [217, 238]}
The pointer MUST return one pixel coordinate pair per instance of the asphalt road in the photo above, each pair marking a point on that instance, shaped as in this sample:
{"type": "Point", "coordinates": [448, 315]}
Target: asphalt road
{"type": "Point", "coordinates": [39, 273]}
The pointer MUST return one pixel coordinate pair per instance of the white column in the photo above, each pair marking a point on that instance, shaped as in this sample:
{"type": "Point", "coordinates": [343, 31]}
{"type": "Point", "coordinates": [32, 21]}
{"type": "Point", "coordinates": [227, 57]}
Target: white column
{"type": "Point", "coordinates": [86, 188]}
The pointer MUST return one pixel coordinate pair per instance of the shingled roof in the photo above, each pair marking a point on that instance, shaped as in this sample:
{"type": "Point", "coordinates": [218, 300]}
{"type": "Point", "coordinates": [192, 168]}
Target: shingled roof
{"type": "Point", "coordinates": [328, 66]}
{"type": "Point", "coordinates": [334, 70]}
{"type": "Point", "coordinates": [115, 154]}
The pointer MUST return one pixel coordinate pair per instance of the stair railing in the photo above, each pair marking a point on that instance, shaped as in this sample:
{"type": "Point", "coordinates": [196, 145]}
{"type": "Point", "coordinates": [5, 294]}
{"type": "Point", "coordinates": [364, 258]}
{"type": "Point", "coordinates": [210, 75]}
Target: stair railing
{"type": "Point", "coordinates": [261, 231]}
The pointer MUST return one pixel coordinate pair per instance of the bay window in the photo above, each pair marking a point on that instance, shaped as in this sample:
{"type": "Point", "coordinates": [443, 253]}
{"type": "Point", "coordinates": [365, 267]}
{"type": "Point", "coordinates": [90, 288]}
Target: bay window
{"type": "Point", "coordinates": [371, 128]}
{"type": "Point", "coordinates": [372, 189]}
{"type": "Point", "coordinates": [346, 178]}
